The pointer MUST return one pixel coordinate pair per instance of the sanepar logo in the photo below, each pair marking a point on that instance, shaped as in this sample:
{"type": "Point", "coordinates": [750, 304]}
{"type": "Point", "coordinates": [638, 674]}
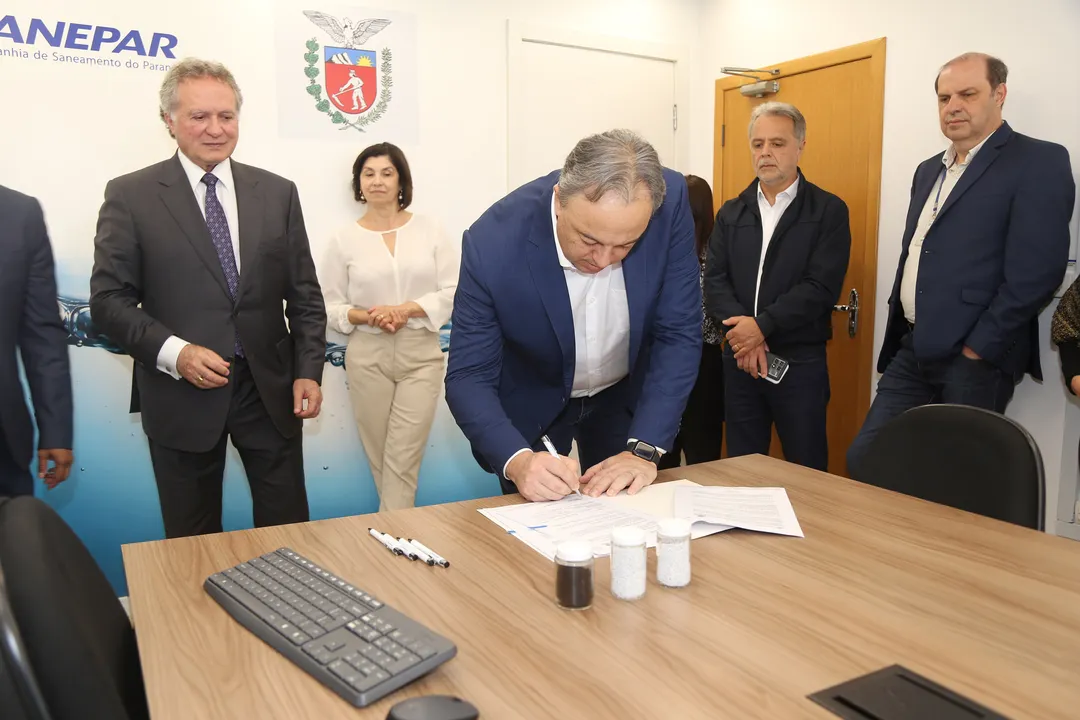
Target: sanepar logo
{"type": "Point", "coordinates": [77, 36]}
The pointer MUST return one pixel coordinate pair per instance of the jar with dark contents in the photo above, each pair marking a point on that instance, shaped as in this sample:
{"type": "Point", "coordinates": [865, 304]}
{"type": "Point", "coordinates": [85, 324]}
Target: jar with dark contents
{"type": "Point", "coordinates": [574, 574]}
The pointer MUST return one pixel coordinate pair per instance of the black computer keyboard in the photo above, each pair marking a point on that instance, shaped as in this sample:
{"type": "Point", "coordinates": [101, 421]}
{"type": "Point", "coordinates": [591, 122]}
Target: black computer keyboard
{"type": "Point", "coordinates": [349, 641]}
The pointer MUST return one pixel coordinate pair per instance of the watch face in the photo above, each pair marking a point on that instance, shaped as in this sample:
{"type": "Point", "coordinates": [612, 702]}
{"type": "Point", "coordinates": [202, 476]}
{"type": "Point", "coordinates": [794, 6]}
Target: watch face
{"type": "Point", "coordinates": [644, 450]}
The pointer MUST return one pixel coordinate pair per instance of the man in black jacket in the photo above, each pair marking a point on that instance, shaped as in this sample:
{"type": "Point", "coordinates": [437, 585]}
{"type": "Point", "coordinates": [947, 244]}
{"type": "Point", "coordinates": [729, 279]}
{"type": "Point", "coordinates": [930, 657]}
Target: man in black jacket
{"type": "Point", "coordinates": [775, 266]}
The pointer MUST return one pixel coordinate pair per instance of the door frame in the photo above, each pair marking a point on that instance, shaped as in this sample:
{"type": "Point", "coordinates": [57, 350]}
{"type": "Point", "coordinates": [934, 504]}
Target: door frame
{"type": "Point", "coordinates": [518, 33]}
{"type": "Point", "coordinates": [874, 51]}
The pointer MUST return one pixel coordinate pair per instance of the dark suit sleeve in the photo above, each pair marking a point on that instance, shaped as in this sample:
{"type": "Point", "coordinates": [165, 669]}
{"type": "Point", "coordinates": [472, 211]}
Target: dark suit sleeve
{"type": "Point", "coordinates": [676, 330]}
{"type": "Point", "coordinates": [475, 366]}
{"type": "Point", "coordinates": [116, 283]}
{"type": "Point", "coordinates": [1036, 252]}
{"type": "Point", "coordinates": [822, 281]}
{"type": "Point", "coordinates": [304, 299]}
{"type": "Point", "coordinates": [43, 342]}
{"type": "Point", "coordinates": [720, 300]}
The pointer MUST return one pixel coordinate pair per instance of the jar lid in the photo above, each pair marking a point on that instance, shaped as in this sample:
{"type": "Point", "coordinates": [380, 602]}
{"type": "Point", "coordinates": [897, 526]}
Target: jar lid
{"type": "Point", "coordinates": [574, 551]}
{"type": "Point", "coordinates": [630, 535]}
{"type": "Point", "coordinates": [673, 527]}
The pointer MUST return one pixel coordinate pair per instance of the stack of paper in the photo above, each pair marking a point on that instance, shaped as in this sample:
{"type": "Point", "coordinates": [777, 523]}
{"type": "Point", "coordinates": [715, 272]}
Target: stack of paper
{"type": "Point", "coordinates": [761, 509]}
{"type": "Point", "coordinates": [542, 526]}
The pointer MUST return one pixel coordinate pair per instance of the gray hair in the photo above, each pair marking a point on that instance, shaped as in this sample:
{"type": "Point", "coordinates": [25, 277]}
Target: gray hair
{"type": "Point", "coordinates": [192, 69]}
{"type": "Point", "coordinates": [997, 72]}
{"type": "Point", "coordinates": [779, 109]}
{"type": "Point", "coordinates": [612, 161]}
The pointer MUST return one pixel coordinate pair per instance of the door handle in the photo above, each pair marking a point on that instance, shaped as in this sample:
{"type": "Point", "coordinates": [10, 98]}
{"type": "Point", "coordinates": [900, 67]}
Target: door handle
{"type": "Point", "coordinates": [852, 309]}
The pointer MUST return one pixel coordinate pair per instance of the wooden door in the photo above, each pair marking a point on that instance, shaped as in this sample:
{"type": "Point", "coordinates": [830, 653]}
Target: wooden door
{"type": "Point", "coordinates": [841, 94]}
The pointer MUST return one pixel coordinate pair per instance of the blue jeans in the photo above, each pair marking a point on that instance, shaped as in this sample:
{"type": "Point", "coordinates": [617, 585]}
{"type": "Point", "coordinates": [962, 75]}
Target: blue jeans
{"type": "Point", "coordinates": [908, 383]}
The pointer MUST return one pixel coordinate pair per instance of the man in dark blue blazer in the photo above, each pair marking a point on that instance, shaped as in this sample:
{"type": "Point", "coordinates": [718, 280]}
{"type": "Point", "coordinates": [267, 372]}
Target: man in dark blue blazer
{"type": "Point", "coordinates": [30, 325]}
{"type": "Point", "coordinates": [578, 317]}
{"type": "Point", "coordinates": [986, 245]}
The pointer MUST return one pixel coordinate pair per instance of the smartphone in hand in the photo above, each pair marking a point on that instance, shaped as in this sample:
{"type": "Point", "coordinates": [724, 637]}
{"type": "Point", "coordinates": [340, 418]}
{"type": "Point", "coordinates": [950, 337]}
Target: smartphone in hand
{"type": "Point", "coordinates": [778, 368]}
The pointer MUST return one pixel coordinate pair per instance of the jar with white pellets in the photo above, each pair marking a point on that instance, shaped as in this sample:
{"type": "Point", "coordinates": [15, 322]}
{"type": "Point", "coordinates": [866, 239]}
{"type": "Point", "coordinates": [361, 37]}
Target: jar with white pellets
{"type": "Point", "coordinates": [628, 573]}
{"type": "Point", "coordinates": [673, 552]}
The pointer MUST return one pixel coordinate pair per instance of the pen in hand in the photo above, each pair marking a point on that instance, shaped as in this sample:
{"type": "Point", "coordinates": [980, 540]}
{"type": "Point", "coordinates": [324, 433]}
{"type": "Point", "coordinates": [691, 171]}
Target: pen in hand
{"type": "Point", "coordinates": [554, 453]}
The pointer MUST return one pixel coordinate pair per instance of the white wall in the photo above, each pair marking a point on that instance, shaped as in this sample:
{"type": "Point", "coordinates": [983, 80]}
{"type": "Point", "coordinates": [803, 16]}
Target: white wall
{"type": "Point", "coordinates": [1037, 40]}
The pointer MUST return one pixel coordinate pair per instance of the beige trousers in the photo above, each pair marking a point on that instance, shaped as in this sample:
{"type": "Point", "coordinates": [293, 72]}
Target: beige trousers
{"type": "Point", "coordinates": [394, 383]}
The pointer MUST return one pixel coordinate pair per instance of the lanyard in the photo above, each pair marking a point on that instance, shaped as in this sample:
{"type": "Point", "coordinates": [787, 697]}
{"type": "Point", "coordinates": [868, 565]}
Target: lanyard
{"type": "Point", "coordinates": [937, 198]}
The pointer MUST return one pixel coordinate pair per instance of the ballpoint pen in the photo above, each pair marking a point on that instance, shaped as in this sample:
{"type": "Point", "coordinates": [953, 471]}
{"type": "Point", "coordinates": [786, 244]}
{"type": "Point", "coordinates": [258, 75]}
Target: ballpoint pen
{"type": "Point", "coordinates": [555, 453]}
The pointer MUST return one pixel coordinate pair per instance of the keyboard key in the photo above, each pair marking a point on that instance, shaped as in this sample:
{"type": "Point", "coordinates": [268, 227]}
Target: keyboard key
{"type": "Point", "coordinates": [333, 645]}
{"type": "Point", "coordinates": [366, 666]}
{"type": "Point", "coordinates": [363, 683]}
{"type": "Point", "coordinates": [379, 676]}
{"type": "Point", "coordinates": [424, 651]}
{"type": "Point", "coordinates": [402, 664]}
{"type": "Point", "coordinates": [298, 637]}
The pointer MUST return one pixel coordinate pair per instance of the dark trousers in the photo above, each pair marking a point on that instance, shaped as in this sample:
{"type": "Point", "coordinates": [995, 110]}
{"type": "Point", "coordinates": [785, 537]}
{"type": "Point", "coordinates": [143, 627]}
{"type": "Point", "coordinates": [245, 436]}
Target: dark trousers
{"type": "Point", "coordinates": [15, 478]}
{"type": "Point", "coordinates": [189, 483]}
{"type": "Point", "coordinates": [701, 434]}
{"type": "Point", "coordinates": [600, 424]}
{"type": "Point", "coordinates": [797, 405]}
{"type": "Point", "coordinates": [908, 383]}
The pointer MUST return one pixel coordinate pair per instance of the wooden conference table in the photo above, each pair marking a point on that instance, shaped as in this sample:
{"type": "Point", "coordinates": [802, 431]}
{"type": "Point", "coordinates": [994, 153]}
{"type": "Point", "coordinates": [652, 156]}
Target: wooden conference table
{"type": "Point", "coordinates": [990, 610]}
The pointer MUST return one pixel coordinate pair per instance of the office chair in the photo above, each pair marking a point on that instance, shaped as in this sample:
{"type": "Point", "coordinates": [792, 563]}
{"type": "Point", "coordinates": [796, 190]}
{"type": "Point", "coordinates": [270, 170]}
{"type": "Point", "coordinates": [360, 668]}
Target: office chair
{"type": "Point", "coordinates": [67, 643]}
{"type": "Point", "coordinates": [965, 457]}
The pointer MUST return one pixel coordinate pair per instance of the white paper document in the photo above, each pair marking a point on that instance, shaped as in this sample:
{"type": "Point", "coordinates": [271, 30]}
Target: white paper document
{"type": "Point", "coordinates": [761, 509]}
{"type": "Point", "coordinates": [543, 525]}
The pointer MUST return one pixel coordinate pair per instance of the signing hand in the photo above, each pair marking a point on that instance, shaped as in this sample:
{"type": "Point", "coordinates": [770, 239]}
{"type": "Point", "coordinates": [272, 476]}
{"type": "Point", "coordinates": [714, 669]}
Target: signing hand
{"type": "Point", "coordinates": [306, 390]}
{"type": "Point", "coordinates": [62, 460]}
{"type": "Point", "coordinates": [202, 367]}
{"type": "Point", "coordinates": [542, 476]}
{"type": "Point", "coordinates": [744, 335]}
{"type": "Point", "coordinates": [625, 470]}
{"type": "Point", "coordinates": [755, 362]}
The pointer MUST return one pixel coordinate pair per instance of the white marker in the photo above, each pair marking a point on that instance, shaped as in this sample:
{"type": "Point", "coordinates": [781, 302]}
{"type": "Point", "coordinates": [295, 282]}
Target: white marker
{"type": "Point", "coordinates": [419, 553]}
{"type": "Point", "coordinates": [389, 544]}
{"type": "Point", "coordinates": [439, 559]}
{"type": "Point", "coordinates": [406, 551]}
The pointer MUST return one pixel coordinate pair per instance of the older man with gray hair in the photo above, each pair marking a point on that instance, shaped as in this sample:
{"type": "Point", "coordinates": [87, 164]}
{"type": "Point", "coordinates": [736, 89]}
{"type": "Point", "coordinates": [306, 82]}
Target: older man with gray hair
{"type": "Point", "coordinates": [775, 265]}
{"type": "Point", "coordinates": [193, 260]}
{"type": "Point", "coordinates": [578, 317]}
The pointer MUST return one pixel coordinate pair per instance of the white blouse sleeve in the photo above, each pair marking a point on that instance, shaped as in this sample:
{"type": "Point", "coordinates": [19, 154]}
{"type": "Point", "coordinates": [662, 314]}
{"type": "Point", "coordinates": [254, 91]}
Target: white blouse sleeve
{"type": "Point", "coordinates": [334, 278]}
{"type": "Point", "coordinates": [439, 304]}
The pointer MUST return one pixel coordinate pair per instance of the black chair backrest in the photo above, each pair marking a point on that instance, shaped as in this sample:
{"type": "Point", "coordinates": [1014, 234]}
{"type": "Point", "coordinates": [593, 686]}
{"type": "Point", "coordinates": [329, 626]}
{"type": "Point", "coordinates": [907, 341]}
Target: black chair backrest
{"type": "Point", "coordinates": [79, 641]}
{"type": "Point", "coordinates": [961, 456]}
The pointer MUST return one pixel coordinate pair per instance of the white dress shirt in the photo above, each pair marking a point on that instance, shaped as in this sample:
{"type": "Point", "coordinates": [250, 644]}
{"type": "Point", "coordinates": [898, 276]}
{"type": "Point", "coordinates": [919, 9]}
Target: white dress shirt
{"type": "Point", "coordinates": [951, 175]}
{"type": "Point", "coordinates": [360, 272]}
{"type": "Point", "coordinates": [770, 218]}
{"type": "Point", "coordinates": [601, 325]}
{"type": "Point", "coordinates": [226, 195]}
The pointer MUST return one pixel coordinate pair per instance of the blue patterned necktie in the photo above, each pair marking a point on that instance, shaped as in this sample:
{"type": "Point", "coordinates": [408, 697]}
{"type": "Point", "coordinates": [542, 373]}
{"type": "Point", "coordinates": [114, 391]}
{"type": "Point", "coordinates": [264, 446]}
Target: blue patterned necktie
{"type": "Point", "coordinates": [218, 225]}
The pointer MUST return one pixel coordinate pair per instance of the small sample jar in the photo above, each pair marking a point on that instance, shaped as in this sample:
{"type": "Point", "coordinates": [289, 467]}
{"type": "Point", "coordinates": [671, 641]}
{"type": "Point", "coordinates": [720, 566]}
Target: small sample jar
{"type": "Point", "coordinates": [673, 552]}
{"type": "Point", "coordinates": [628, 572]}
{"type": "Point", "coordinates": [574, 574]}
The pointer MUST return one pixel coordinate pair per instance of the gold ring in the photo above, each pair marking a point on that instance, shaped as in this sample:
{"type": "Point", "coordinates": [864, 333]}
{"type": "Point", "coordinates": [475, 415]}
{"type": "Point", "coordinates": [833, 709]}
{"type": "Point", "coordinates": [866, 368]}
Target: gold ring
{"type": "Point", "coordinates": [200, 378]}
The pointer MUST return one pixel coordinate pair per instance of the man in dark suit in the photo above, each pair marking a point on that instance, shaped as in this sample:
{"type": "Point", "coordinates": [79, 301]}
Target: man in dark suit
{"type": "Point", "coordinates": [776, 262]}
{"type": "Point", "coordinates": [30, 325]}
{"type": "Point", "coordinates": [193, 259]}
{"type": "Point", "coordinates": [986, 245]}
{"type": "Point", "coordinates": [578, 316]}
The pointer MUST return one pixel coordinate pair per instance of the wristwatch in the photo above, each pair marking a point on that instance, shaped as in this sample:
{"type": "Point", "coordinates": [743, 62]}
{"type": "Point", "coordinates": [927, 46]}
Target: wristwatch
{"type": "Point", "coordinates": [645, 451]}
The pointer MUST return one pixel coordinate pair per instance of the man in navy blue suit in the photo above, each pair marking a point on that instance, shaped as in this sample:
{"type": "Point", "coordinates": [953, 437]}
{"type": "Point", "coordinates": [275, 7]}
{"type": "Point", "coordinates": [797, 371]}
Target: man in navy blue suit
{"type": "Point", "coordinates": [986, 245]}
{"type": "Point", "coordinates": [30, 325]}
{"type": "Point", "coordinates": [578, 317]}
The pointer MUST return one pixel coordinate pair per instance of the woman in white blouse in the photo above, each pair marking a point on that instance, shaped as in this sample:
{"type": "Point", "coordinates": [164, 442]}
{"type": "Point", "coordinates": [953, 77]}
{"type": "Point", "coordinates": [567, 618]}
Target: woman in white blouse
{"type": "Point", "coordinates": [389, 282]}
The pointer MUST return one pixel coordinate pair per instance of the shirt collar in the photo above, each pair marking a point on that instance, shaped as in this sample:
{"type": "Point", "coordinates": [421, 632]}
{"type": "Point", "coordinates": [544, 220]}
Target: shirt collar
{"type": "Point", "coordinates": [788, 194]}
{"type": "Point", "coordinates": [223, 171]}
{"type": "Point", "coordinates": [555, 233]}
{"type": "Point", "coordinates": [950, 155]}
